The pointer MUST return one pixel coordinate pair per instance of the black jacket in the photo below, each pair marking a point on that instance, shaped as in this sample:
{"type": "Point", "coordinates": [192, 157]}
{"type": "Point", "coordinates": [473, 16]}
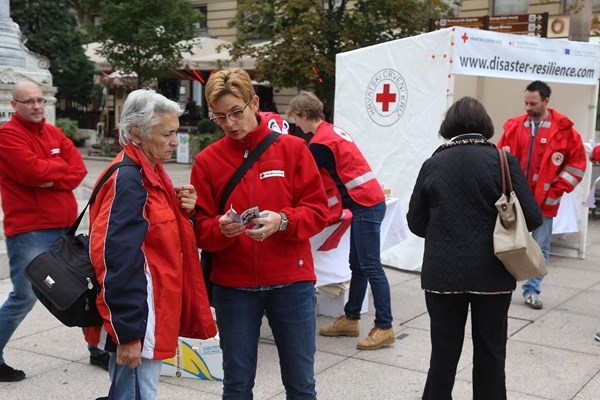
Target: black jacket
{"type": "Point", "coordinates": [452, 207]}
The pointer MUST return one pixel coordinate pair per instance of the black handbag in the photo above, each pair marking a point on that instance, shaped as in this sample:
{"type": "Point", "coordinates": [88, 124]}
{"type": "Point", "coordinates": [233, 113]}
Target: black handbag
{"type": "Point", "coordinates": [206, 256]}
{"type": "Point", "coordinates": [63, 278]}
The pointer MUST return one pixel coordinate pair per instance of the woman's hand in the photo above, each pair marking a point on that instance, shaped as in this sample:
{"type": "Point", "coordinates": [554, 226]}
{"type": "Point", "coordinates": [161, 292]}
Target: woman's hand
{"type": "Point", "coordinates": [187, 198]}
{"type": "Point", "coordinates": [228, 227]}
{"type": "Point", "coordinates": [270, 224]}
{"type": "Point", "coordinates": [129, 354]}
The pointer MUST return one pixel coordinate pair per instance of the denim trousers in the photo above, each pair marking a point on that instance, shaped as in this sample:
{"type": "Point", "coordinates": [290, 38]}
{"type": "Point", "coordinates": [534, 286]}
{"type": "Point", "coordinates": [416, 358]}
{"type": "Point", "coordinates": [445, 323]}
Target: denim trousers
{"type": "Point", "coordinates": [291, 313]}
{"type": "Point", "coordinates": [489, 325]}
{"type": "Point", "coordinates": [21, 250]}
{"type": "Point", "coordinates": [140, 383]}
{"type": "Point", "coordinates": [365, 264]}
{"type": "Point", "coordinates": [543, 236]}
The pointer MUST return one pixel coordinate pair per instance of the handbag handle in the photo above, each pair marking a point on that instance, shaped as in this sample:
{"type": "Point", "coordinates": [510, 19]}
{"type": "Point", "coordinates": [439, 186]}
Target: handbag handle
{"type": "Point", "coordinates": [507, 186]}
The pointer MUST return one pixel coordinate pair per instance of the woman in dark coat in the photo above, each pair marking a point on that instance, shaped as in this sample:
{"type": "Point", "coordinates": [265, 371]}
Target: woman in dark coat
{"type": "Point", "coordinates": [453, 207]}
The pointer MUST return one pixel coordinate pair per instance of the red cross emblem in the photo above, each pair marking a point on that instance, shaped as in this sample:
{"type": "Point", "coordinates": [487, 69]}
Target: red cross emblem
{"type": "Point", "coordinates": [385, 98]}
{"type": "Point", "coordinates": [464, 37]}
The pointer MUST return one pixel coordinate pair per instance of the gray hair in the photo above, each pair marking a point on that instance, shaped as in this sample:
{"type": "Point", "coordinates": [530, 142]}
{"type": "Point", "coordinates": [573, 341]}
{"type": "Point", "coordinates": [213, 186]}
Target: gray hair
{"type": "Point", "coordinates": [143, 109]}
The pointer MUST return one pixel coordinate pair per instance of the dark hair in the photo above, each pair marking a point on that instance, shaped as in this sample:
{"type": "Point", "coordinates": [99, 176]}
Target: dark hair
{"type": "Point", "coordinates": [540, 87]}
{"type": "Point", "coordinates": [467, 115]}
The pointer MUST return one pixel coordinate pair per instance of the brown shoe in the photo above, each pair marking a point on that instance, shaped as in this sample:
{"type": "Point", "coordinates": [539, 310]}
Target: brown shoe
{"type": "Point", "coordinates": [376, 339]}
{"type": "Point", "coordinates": [343, 326]}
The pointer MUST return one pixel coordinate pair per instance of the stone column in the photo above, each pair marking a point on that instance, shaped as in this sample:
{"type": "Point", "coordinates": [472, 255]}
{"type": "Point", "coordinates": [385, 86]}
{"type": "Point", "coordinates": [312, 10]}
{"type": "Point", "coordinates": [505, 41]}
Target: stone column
{"type": "Point", "coordinates": [18, 63]}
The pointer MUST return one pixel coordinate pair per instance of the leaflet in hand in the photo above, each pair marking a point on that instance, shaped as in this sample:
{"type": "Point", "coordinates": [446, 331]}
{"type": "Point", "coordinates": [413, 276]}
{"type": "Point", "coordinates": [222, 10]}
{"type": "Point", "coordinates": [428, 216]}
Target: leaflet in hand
{"type": "Point", "coordinates": [246, 216]}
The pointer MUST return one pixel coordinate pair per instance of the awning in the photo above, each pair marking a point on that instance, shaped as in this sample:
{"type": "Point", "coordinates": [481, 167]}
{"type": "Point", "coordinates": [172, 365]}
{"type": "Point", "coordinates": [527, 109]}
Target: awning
{"type": "Point", "coordinates": [206, 55]}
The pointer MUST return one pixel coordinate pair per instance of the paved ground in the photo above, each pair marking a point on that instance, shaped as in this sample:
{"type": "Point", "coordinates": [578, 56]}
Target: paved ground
{"type": "Point", "coordinates": [551, 352]}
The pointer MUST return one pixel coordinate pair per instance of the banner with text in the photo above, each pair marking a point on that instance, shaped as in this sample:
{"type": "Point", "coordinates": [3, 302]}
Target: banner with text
{"type": "Point", "coordinates": [484, 53]}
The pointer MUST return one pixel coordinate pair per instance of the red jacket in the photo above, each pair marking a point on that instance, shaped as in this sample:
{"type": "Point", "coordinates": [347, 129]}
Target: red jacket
{"type": "Point", "coordinates": [596, 153]}
{"type": "Point", "coordinates": [285, 178]}
{"type": "Point", "coordinates": [146, 260]}
{"type": "Point", "coordinates": [351, 166]}
{"type": "Point", "coordinates": [32, 154]}
{"type": "Point", "coordinates": [559, 159]}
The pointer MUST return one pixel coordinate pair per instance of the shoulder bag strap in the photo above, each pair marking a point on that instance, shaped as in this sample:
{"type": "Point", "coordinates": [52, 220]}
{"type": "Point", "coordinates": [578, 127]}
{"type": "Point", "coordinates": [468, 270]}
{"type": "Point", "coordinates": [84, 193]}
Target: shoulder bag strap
{"type": "Point", "coordinates": [246, 164]}
{"type": "Point", "coordinates": [101, 182]}
{"type": "Point", "coordinates": [507, 187]}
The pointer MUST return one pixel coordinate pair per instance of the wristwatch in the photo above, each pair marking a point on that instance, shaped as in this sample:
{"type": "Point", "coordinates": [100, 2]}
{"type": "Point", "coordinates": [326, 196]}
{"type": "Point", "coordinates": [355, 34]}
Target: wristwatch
{"type": "Point", "coordinates": [284, 222]}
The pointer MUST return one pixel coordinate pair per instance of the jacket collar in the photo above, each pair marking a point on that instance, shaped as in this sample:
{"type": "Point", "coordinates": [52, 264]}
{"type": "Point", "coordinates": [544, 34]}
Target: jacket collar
{"type": "Point", "coordinates": [30, 126]}
{"type": "Point", "coordinates": [252, 139]}
{"type": "Point", "coordinates": [152, 174]}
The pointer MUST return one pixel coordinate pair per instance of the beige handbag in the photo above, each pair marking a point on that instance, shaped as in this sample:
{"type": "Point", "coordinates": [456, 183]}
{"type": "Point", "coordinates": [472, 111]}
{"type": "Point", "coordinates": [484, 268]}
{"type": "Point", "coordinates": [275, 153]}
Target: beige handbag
{"type": "Point", "coordinates": [513, 244]}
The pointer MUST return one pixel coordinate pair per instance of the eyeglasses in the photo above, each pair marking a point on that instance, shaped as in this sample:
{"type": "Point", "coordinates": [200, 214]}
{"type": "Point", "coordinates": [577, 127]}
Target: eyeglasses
{"type": "Point", "coordinates": [234, 116]}
{"type": "Point", "coordinates": [32, 102]}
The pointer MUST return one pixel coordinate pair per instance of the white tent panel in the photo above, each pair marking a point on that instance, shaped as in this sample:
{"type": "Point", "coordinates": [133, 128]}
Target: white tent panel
{"type": "Point", "coordinates": [392, 98]}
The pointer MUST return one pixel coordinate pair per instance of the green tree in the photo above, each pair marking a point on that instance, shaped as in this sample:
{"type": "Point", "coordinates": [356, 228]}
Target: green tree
{"type": "Point", "coordinates": [147, 37]}
{"type": "Point", "coordinates": [304, 36]}
{"type": "Point", "coordinates": [50, 30]}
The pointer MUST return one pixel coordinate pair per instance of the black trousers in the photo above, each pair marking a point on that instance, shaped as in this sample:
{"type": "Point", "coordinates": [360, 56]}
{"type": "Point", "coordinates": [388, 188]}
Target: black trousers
{"type": "Point", "coordinates": [489, 324]}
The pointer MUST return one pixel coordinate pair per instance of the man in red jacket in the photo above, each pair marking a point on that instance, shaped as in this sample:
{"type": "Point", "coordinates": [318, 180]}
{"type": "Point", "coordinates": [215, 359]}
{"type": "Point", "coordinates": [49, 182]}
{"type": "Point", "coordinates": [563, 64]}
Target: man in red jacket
{"type": "Point", "coordinates": [552, 156]}
{"type": "Point", "coordinates": [39, 169]}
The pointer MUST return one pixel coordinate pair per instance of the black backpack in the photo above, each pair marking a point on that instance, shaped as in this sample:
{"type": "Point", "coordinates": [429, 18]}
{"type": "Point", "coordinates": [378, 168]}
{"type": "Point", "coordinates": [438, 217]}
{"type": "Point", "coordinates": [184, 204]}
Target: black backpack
{"type": "Point", "coordinates": [63, 278]}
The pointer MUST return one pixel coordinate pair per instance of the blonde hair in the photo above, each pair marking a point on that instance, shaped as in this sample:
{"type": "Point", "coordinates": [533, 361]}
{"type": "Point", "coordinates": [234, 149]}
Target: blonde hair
{"type": "Point", "coordinates": [306, 105]}
{"type": "Point", "coordinates": [235, 81]}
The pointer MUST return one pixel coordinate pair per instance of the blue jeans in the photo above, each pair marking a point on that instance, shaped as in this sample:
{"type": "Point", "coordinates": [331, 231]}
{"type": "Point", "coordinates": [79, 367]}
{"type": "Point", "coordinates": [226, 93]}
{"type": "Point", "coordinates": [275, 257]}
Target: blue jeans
{"type": "Point", "coordinates": [543, 236]}
{"type": "Point", "coordinates": [365, 264]}
{"type": "Point", "coordinates": [21, 250]}
{"type": "Point", "coordinates": [291, 312]}
{"type": "Point", "coordinates": [123, 385]}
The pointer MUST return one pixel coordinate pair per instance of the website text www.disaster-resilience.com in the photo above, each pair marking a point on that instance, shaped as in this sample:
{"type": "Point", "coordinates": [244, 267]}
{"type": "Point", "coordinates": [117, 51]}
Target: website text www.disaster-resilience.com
{"type": "Point", "coordinates": [550, 68]}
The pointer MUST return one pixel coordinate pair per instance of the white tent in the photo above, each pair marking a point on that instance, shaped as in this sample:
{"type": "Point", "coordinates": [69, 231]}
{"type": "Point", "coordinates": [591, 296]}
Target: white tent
{"type": "Point", "coordinates": [392, 98]}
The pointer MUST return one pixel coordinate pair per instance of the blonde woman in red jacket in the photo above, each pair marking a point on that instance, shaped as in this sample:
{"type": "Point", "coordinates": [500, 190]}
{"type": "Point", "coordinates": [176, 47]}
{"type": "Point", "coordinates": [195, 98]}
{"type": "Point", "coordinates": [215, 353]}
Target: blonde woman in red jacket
{"type": "Point", "coordinates": [265, 267]}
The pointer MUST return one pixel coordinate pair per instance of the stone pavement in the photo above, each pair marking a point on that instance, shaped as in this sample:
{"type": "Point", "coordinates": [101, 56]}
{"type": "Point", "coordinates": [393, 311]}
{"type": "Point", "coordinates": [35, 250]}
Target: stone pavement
{"type": "Point", "coordinates": [551, 352]}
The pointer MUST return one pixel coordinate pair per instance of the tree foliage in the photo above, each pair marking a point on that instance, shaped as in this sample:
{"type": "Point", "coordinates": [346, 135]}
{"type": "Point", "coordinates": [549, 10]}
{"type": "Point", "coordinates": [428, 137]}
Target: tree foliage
{"type": "Point", "coordinates": [50, 30]}
{"type": "Point", "coordinates": [147, 37]}
{"type": "Point", "coordinates": [304, 36]}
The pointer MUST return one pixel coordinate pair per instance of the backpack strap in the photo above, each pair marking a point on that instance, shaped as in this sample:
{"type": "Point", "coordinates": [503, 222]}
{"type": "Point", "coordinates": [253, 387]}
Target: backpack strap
{"type": "Point", "coordinates": [101, 182]}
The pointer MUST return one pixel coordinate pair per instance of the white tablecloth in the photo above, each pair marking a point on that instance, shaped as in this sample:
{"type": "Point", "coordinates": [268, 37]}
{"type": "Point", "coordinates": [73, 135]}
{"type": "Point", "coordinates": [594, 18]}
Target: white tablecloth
{"type": "Point", "coordinates": [332, 266]}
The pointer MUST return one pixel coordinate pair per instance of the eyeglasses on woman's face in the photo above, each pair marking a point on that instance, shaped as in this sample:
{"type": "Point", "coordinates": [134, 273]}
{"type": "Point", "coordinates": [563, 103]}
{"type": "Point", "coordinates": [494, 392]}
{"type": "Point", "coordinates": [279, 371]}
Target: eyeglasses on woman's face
{"type": "Point", "coordinates": [32, 102]}
{"type": "Point", "coordinates": [232, 116]}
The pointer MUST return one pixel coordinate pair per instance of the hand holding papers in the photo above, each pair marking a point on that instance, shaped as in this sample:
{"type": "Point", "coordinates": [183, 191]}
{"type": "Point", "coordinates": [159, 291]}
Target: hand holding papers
{"type": "Point", "coordinates": [246, 217]}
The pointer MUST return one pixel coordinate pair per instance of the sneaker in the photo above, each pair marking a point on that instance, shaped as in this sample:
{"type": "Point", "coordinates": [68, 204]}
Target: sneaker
{"type": "Point", "coordinates": [597, 336]}
{"type": "Point", "coordinates": [100, 361]}
{"type": "Point", "coordinates": [343, 326]}
{"type": "Point", "coordinates": [8, 374]}
{"type": "Point", "coordinates": [376, 339]}
{"type": "Point", "coordinates": [534, 301]}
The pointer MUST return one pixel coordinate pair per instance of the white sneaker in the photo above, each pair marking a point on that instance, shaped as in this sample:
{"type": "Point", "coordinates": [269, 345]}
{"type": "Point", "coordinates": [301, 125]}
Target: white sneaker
{"type": "Point", "coordinates": [534, 301]}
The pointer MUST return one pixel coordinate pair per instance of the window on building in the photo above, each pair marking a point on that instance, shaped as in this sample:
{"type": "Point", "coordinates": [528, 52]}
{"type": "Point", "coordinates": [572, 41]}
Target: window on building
{"type": "Point", "coordinates": [511, 7]}
{"type": "Point", "coordinates": [202, 26]}
{"type": "Point", "coordinates": [595, 5]}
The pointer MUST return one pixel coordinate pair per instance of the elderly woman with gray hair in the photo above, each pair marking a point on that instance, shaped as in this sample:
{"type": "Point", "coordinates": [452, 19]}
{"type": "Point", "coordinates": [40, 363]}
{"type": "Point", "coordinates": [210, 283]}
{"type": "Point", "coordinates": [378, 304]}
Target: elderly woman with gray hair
{"type": "Point", "coordinates": [143, 249]}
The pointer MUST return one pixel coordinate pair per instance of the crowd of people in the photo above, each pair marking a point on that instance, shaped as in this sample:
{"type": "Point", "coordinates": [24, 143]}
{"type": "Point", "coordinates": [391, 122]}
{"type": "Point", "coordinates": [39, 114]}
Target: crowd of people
{"type": "Point", "coordinates": [147, 236]}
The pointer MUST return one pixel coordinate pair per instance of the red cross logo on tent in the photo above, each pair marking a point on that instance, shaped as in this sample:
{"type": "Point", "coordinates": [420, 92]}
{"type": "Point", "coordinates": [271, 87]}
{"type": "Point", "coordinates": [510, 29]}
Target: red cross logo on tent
{"type": "Point", "coordinates": [385, 97]}
{"type": "Point", "coordinates": [464, 37]}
